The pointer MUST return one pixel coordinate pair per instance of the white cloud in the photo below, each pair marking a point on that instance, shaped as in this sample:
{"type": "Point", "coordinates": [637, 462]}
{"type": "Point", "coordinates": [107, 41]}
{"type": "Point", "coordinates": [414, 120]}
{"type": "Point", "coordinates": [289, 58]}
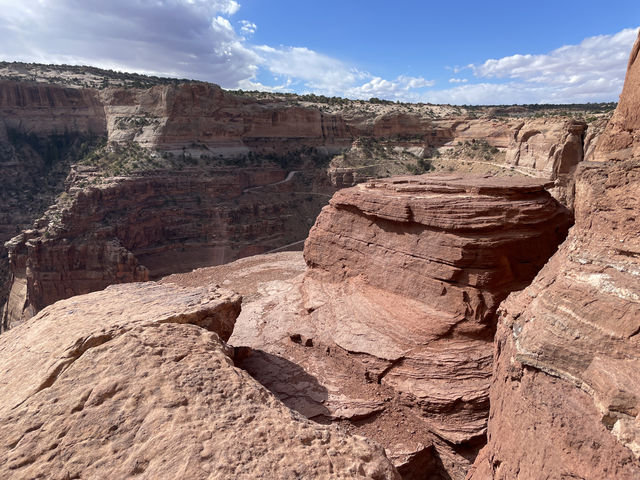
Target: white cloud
{"type": "Point", "coordinates": [196, 39]}
{"type": "Point", "coordinates": [312, 70]}
{"type": "Point", "coordinates": [402, 88]}
{"type": "Point", "coordinates": [185, 38]}
{"type": "Point", "coordinates": [247, 27]}
{"type": "Point", "coordinates": [593, 70]}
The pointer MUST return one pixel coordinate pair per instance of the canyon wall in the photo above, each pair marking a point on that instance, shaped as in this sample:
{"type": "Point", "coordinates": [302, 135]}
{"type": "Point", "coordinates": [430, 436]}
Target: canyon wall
{"type": "Point", "coordinates": [135, 228]}
{"type": "Point", "coordinates": [204, 118]}
{"type": "Point", "coordinates": [566, 355]}
{"type": "Point", "coordinates": [44, 129]}
{"type": "Point", "coordinates": [564, 395]}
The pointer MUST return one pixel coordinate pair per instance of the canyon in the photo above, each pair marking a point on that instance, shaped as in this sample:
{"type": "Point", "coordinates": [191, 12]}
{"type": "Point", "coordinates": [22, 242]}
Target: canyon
{"type": "Point", "coordinates": [117, 184]}
{"type": "Point", "coordinates": [441, 326]}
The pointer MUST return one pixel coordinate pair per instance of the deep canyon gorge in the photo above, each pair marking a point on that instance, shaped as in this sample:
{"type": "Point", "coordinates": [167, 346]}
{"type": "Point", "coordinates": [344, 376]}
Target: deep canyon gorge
{"type": "Point", "coordinates": [460, 298]}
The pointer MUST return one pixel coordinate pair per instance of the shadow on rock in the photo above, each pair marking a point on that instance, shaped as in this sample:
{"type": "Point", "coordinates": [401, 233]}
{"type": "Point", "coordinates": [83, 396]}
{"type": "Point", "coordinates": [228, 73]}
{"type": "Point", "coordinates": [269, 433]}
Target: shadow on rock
{"type": "Point", "coordinates": [289, 382]}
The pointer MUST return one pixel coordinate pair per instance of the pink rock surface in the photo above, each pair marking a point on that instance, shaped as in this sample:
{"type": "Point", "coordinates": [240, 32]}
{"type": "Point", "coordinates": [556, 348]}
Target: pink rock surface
{"type": "Point", "coordinates": [135, 381]}
{"type": "Point", "coordinates": [389, 331]}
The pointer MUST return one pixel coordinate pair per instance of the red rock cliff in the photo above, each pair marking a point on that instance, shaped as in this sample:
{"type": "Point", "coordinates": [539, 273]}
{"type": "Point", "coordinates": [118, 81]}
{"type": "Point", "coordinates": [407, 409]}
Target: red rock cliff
{"type": "Point", "coordinates": [130, 228]}
{"type": "Point", "coordinates": [565, 397]}
{"type": "Point", "coordinates": [621, 139]}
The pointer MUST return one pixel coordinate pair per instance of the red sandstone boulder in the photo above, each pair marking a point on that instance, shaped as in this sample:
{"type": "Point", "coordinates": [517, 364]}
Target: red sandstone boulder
{"type": "Point", "coordinates": [389, 331]}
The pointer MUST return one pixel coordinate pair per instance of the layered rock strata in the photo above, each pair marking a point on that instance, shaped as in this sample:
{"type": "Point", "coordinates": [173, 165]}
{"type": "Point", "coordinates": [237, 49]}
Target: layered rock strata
{"type": "Point", "coordinates": [551, 149]}
{"type": "Point", "coordinates": [43, 127]}
{"type": "Point", "coordinates": [131, 229]}
{"type": "Point", "coordinates": [202, 117]}
{"type": "Point", "coordinates": [388, 332]}
{"type": "Point", "coordinates": [566, 358]}
{"type": "Point", "coordinates": [135, 380]}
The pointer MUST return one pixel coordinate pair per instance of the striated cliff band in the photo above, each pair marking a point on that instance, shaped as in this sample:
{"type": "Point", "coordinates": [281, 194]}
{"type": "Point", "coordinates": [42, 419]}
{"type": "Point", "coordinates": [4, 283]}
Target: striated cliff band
{"type": "Point", "coordinates": [172, 175]}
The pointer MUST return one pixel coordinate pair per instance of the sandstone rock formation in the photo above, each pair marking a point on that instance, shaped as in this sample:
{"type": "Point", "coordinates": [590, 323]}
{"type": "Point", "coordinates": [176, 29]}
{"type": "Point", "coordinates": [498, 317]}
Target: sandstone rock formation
{"type": "Point", "coordinates": [550, 149]}
{"type": "Point", "coordinates": [203, 117]}
{"type": "Point", "coordinates": [135, 381]}
{"type": "Point", "coordinates": [41, 128]}
{"type": "Point", "coordinates": [566, 359]}
{"type": "Point", "coordinates": [51, 109]}
{"type": "Point", "coordinates": [565, 390]}
{"type": "Point", "coordinates": [389, 331]}
{"type": "Point", "coordinates": [621, 139]}
{"type": "Point", "coordinates": [44, 128]}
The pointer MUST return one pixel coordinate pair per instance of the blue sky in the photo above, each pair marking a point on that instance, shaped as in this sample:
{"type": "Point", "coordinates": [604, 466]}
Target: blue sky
{"type": "Point", "coordinates": [467, 52]}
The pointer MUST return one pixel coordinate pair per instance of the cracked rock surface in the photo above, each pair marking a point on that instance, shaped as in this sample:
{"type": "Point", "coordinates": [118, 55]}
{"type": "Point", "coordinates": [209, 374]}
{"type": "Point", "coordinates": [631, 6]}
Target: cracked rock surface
{"type": "Point", "coordinates": [136, 381]}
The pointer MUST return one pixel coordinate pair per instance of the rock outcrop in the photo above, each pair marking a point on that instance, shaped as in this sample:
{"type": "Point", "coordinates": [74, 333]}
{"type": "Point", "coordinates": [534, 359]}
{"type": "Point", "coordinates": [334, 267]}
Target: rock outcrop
{"type": "Point", "coordinates": [550, 149]}
{"type": "Point", "coordinates": [203, 117]}
{"type": "Point", "coordinates": [42, 128]}
{"type": "Point", "coordinates": [566, 359]}
{"type": "Point", "coordinates": [135, 381]}
{"type": "Point", "coordinates": [565, 397]}
{"type": "Point", "coordinates": [621, 138]}
{"type": "Point", "coordinates": [389, 330]}
{"type": "Point", "coordinates": [50, 109]}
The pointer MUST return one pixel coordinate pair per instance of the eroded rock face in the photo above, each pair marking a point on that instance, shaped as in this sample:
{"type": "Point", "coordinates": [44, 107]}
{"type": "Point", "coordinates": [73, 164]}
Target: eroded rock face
{"type": "Point", "coordinates": [388, 332]}
{"type": "Point", "coordinates": [202, 115]}
{"type": "Point", "coordinates": [135, 228]}
{"type": "Point", "coordinates": [621, 139]}
{"type": "Point", "coordinates": [456, 245]}
{"type": "Point", "coordinates": [567, 358]}
{"type": "Point", "coordinates": [135, 381]}
{"type": "Point", "coordinates": [41, 128]}
{"type": "Point", "coordinates": [51, 109]}
{"type": "Point", "coordinates": [550, 149]}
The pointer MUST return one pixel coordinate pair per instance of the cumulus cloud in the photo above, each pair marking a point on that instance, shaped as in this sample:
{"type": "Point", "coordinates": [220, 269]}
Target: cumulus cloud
{"type": "Point", "coordinates": [593, 70]}
{"type": "Point", "coordinates": [458, 80]}
{"type": "Point", "coordinates": [308, 68]}
{"type": "Point", "coordinates": [402, 88]}
{"type": "Point", "coordinates": [247, 27]}
{"type": "Point", "coordinates": [185, 38]}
